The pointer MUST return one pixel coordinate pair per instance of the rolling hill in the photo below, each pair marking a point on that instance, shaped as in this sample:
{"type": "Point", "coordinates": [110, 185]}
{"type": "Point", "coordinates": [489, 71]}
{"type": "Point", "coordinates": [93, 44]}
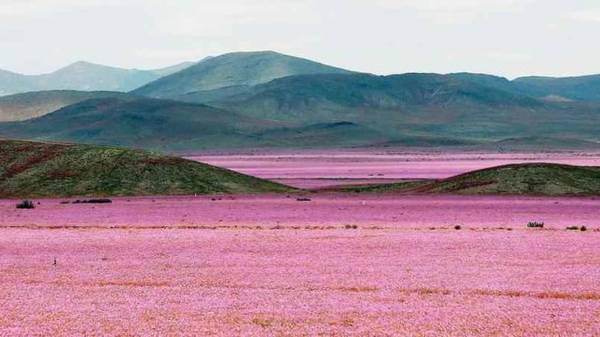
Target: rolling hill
{"type": "Point", "coordinates": [522, 179]}
{"type": "Point", "coordinates": [581, 88]}
{"type": "Point", "coordinates": [140, 122]}
{"type": "Point", "coordinates": [534, 179]}
{"type": "Point", "coordinates": [156, 124]}
{"type": "Point", "coordinates": [413, 106]}
{"type": "Point", "coordinates": [320, 135]}
{"type": "Point", "coordinates": [83, 76]}
{"type": "Point", "coordinates": [232, 70]}
{"type": "Point", "coordinates": [267, 99]}
{"type": "Point", "coordinates": [559, 89]}
{"type": "Point", "coordinates": [29, 169]}
{"type": "Point", "coordinates": [29, 105]}
{"type": "Point", "coordinates": [326, 110]}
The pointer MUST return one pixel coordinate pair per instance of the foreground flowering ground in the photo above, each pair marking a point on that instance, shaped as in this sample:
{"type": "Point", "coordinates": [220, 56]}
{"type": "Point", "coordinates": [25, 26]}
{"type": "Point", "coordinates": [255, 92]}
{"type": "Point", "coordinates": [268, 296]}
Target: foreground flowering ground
{"type": "Point", "coordinates": [274, 266]}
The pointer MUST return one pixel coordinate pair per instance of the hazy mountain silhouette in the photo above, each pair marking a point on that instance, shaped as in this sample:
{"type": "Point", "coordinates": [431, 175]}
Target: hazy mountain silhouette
{"type": "Point", "coordinates": [83, 76]}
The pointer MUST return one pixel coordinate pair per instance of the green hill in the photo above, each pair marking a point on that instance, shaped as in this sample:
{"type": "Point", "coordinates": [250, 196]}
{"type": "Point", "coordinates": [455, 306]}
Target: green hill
{"type": "Point", "coordinates": [415, 106]}
{"type": "Point", "coordinates": [535, 179]}
{"type": "Point", "coordinates": [142, 123]}
{"type": "Point", "coordinates": [577, 88]}
{"type": "Point", "coordinates": [581, 88]}
{"type": "Point", "coordinates": [320, 135]}
{"type": "Point", "coordinates": [29, 105]}
{"type": "Point", "coordinates": [326, 110]}
{"type": "Point", "coordinates": [176, 126]}
{"type": "Point", "coordinates": [234, 69]}
{"type": "Point", "coordinates": [522, 179]}
{"type": "Point", "coordinates": [29, 169]}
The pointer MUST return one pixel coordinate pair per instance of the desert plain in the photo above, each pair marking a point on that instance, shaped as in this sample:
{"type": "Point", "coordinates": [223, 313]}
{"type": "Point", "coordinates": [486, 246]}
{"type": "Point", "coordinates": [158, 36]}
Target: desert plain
{"type": "Point", "coordinates": [310, 263]}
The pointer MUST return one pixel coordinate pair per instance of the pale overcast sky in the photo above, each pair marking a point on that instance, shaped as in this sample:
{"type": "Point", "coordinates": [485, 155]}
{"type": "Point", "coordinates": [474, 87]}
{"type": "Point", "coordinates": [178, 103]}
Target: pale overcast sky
{"type": "Point", "coordinates": [505, 37]}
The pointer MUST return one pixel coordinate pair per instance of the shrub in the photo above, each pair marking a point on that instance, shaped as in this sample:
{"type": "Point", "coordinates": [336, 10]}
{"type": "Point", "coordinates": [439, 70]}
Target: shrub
{"type": "Point", "coordinates": [457, 227]}
{"type": "Point", "coordinates": [26, 204]}
{"type": "Point", "coordinates": [303, 199]}
{"type": "Point", "coordinates": [99, 201]}
{"type": "Point", "coordinates": [93, 201]}
{"type": "Point", "coordinates": [577, 228]}
{"type": "Point", "coordinates": [535, 225]}
{"type": "Point", "coordinates": [351, 227]}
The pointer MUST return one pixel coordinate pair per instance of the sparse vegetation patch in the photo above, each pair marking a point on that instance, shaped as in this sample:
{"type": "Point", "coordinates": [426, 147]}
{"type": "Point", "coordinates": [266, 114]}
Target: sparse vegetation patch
{"type": "Point", "coordinates": [535, 224]}
{"type": "Point", "coordinates": [26, 204]}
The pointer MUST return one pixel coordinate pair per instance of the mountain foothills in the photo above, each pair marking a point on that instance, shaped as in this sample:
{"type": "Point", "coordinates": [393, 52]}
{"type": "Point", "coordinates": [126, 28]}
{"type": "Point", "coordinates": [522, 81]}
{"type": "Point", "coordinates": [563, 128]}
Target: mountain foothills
{"type": "Point", "coordinates": [134, 121]}
{"type": "Point", "coordinates": [83, 76]}
{"type": "Point", "coordinates": [30, 169]}
{"type": "Point", "coordinates": [33, 104]}
{"type": "Point", "coordinates": [267, 99]}
{"type": "Point", "coordinates": [140, 122]}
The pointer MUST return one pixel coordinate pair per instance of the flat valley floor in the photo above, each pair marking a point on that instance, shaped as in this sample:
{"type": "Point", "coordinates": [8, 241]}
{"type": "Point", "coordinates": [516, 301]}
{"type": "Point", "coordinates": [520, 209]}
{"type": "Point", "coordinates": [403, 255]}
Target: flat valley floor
{"type": "Point", "coordinates": [271, 265]}
{"type": "Point", "coordinates": [322, 168]}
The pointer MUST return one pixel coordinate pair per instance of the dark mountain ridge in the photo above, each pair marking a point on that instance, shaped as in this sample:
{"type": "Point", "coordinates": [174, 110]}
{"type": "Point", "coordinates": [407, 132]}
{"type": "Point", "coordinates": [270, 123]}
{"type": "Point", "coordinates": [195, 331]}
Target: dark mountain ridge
{"type": "Point", "coordinates": [361, 110]}
{"type": "Point", "coordinates": [267, 99]}
{"type": "Point", "coordinates": [233, 69]}
{"type": "Point", "coordinates": [418, 105]}
{"type": "Point", "coordinates": [576, 88]}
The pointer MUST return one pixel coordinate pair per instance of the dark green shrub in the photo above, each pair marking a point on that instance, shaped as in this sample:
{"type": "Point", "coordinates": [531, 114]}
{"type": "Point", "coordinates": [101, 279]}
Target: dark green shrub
{"type": "Point", "coordinates": [535, 224]}
{"type": "Point", "coordinates": [26, 204]}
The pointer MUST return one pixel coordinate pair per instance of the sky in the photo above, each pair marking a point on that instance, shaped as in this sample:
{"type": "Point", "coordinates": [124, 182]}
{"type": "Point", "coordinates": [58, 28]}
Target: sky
{"type": "Point", "coordinates": [505, 37]}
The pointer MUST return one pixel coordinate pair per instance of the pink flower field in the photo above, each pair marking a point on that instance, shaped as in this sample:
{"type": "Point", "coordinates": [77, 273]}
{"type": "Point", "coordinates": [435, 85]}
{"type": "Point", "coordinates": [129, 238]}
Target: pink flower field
{"type": "Point", "coordinates": [323, 209]}
{"type": "Point", "coordinates": [312, 168]}
{"type": "Point", "coordinates": [275, 266]}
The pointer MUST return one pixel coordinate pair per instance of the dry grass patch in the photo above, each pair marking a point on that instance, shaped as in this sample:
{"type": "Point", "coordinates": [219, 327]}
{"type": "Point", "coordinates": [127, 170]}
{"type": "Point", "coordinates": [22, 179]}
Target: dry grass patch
{"type": "Point", "coordinates": [133, 283]}
{"type": "Point", "coordinates": [359, 289]}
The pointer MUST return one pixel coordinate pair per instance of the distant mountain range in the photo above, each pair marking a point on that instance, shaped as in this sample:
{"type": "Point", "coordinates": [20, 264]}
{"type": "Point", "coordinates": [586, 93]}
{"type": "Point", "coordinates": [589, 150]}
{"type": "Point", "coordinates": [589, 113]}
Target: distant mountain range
{"type": "Point", "coordinates": [233, 70]}
{"type": "Point", "coordinates": [84, 76]}
{"type": "Point", "coordinates": [267, 99]}
{"type": "Point", "coordinates": [582, 88]}
{"type": "Point", "coordinates": [134, 121]}
{"type": "Point", "coordinates": [409, 106]}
